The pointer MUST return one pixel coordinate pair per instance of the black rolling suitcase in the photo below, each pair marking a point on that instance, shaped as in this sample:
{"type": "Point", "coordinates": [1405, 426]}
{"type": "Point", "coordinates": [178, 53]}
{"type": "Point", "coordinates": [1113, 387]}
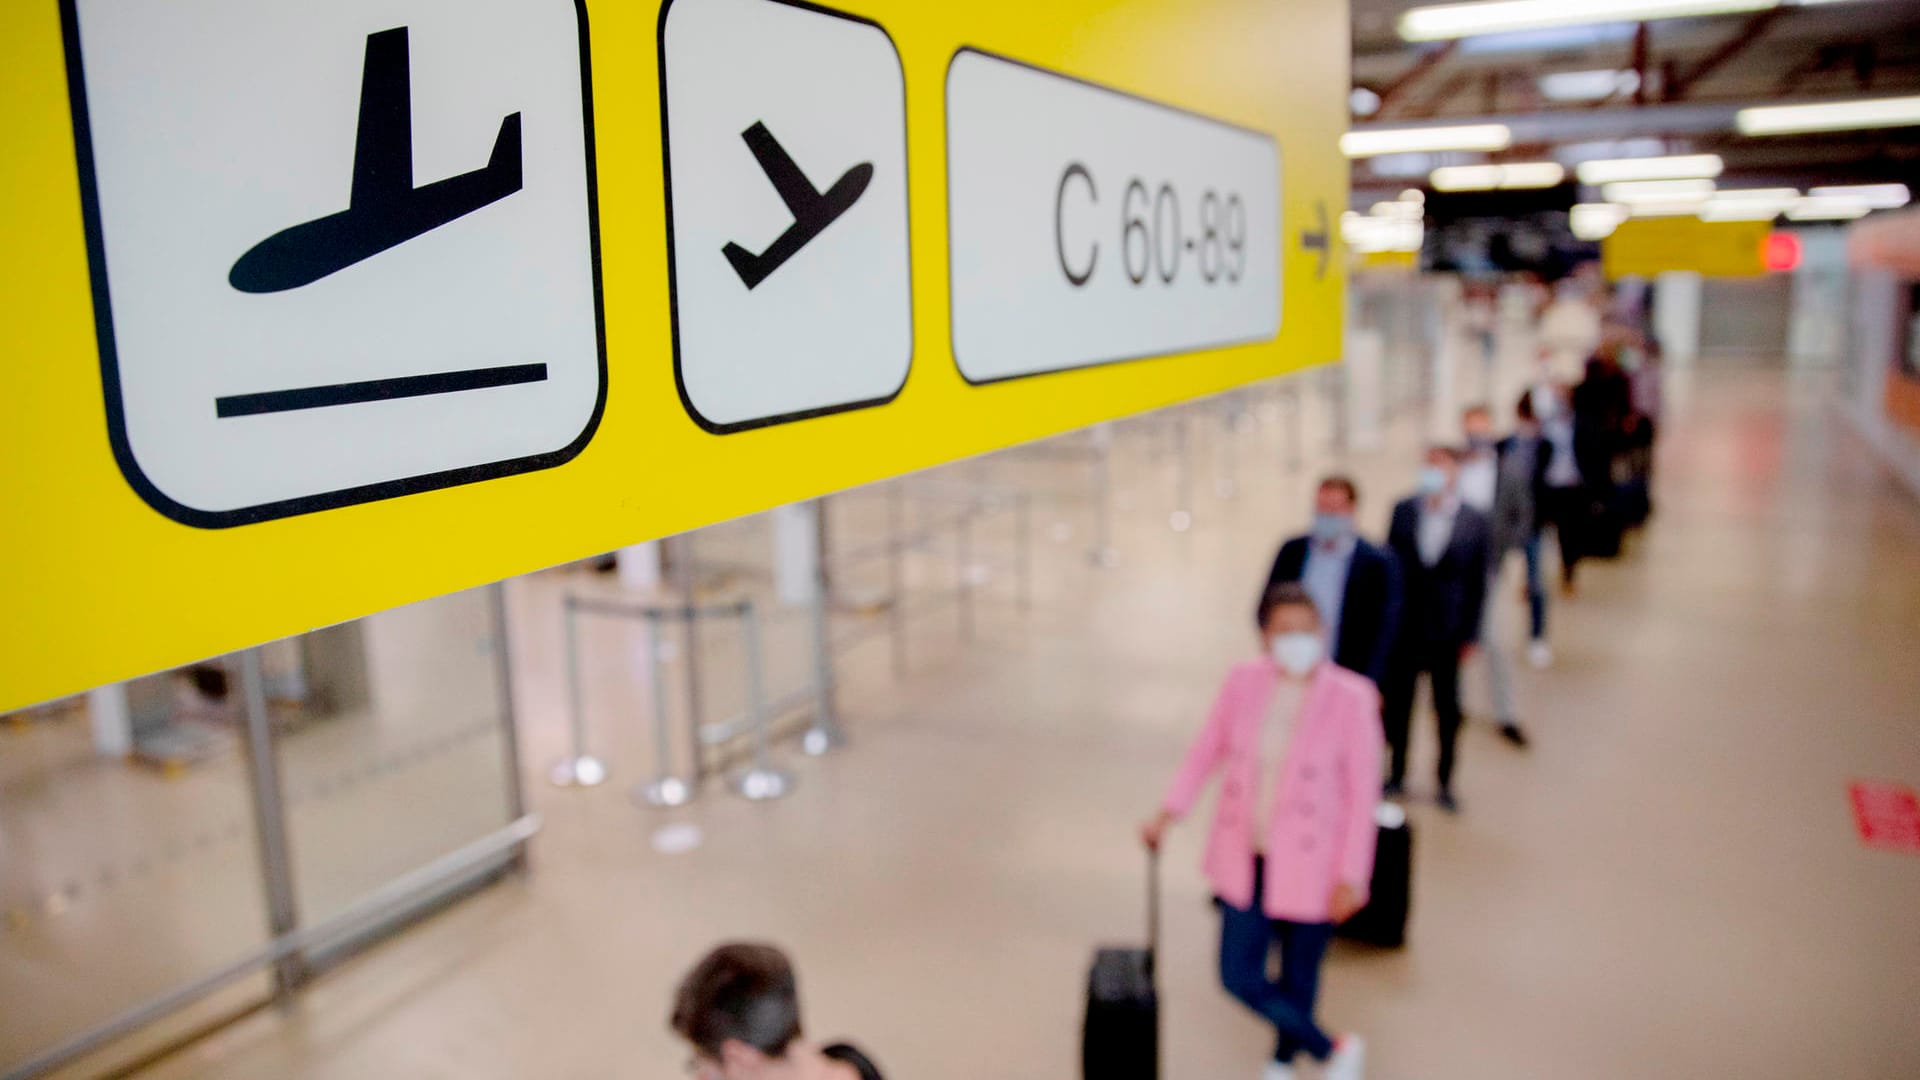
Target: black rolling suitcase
{"type": "Point", "coordinates": [1383, 921]}
{"type": "Point", "coordinates": [1605, 531]}
{"type": "Point", "coordinates": [1121, 1036]}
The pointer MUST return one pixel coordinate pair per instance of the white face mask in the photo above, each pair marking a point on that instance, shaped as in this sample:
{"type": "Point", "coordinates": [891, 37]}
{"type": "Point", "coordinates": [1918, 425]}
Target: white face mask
{"type": "Point", "coordinates": [1296, 653]}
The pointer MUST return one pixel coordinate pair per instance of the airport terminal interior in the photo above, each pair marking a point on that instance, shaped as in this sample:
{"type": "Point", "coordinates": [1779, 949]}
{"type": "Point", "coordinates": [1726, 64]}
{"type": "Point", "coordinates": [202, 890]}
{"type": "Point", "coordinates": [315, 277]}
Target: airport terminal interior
{"type": "Point", "coordinates": [909, 731]}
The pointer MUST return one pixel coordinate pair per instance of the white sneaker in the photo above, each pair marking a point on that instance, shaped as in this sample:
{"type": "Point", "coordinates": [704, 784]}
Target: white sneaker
{"type": "Point", "coordinates": [1277, 1070]}
{"type": "Point", "coordinates": [1348, 1060]}
{"type": "Point", "coordinates": [1540, 654]}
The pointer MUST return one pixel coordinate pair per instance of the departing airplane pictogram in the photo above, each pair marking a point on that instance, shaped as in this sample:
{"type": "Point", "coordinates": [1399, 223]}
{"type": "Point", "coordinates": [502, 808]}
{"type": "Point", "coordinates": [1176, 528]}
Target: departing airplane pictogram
{"type": "Point", "coordinates": [812, 209]}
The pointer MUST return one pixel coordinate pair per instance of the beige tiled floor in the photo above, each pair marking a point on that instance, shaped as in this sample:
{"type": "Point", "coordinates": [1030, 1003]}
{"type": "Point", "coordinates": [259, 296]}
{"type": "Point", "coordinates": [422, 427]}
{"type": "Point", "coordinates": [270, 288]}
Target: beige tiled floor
{"type": "Point", "coordinates": [1667, 885]}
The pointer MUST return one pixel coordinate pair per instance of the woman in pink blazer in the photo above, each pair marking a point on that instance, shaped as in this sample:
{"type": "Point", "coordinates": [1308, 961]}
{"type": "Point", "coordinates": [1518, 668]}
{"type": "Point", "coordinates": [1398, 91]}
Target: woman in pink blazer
{"type": "Point", "coordinates": [1290, 854]}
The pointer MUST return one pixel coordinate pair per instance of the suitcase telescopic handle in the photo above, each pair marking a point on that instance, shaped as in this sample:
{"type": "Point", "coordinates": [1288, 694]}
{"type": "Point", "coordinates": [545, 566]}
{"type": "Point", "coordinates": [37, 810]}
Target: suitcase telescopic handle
{"type": "Point", "coordinates": [1153, 907]}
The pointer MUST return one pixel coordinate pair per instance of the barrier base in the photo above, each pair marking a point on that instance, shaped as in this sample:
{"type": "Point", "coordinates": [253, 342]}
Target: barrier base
{"type": "Point", "coordinates": [760, 785]}
{"type": "Point", "coordinates": [820, 740]}
{"type": "Point", "coordinates": [668, 791]}
{"type": "Point", "coordinates": [583, 771]}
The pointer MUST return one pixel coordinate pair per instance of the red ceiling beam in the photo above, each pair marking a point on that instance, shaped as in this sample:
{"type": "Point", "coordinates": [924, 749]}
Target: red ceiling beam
{"type": "Point", "coordinates": [1438, 99]}
{"type": "Point", "coordinates": [1641, 44]}
{"type": "Point", "coordinates": [1428, 60]}
{"type": "Point", "coordinates": [1683, 83]}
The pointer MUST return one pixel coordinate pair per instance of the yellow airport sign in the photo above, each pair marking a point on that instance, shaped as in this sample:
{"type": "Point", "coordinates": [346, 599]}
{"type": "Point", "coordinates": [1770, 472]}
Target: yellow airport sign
{"type": "Point", "coordinates": [1649, 246]}
{"type": "Point", "coordinates": [313, 310]}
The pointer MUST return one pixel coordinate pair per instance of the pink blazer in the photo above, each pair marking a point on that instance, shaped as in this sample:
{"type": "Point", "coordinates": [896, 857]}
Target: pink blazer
{"type": "Point", "coordinates": [1320, 830]}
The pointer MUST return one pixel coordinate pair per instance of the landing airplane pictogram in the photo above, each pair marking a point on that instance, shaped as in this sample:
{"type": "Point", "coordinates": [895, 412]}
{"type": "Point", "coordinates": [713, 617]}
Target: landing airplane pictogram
{"type": "Point", "coordinates": [384, 209]}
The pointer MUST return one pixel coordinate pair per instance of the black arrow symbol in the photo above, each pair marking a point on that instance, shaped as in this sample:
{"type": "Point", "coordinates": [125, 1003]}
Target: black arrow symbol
{"type": "Point", "coordinates": [384, 209]}
{"type": "Point", "coordinates": [1320, 240]}
{"type": "Point", "coordinates": [812, 209]}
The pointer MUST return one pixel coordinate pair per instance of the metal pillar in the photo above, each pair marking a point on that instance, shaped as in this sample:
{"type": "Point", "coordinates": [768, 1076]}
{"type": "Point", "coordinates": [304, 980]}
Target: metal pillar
{"type": "Point", "coordinates": [1182, 517]}
{"type": "Point", "coordinates": [1103, 553]}
{"type": "Point", "coordinates": [1023, 542]}
{"type": "Point", "coordinates": [579, 768]}
{"type": "Point", "coordinates": [665, 789]}
{"type": "Point", "coordinates": [896, 579]}
{"type": "Point", "coordinates": [1296, 436]}
{"type": "Point", "coordinates": [825, 734]}
{"type": "Point", "coordinates": [270, 824]}
{"type": "Point", "coordinates": [963, 572]}
{"type": "Point", "coordinates": [509, 715]}
{"type": "Point", "coordinates": [686, 579]}
{"type": "Point", "coordinates": [1227, 484]}
{"type": "Point", "coordinates": [761, 781]}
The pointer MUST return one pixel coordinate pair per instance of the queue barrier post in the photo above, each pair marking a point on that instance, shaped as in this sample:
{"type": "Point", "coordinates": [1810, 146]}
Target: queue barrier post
{"type": "Point", "coordinates": [579, 768]}
{"type": "Point", "coordinates": [665, 789]}
{"type": "Point", "coordinates": [825, 734]}
{"type": "Point", "coordinates": [761, 781]}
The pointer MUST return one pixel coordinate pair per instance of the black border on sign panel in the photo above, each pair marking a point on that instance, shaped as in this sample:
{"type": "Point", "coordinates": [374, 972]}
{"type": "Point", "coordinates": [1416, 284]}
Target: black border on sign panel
{"type": "Point", "coordinates": [673, 292]}
{"type": "Point", "coordinates": [1279, 249]}
{"type": "Point", "coordinates": [305, 504]}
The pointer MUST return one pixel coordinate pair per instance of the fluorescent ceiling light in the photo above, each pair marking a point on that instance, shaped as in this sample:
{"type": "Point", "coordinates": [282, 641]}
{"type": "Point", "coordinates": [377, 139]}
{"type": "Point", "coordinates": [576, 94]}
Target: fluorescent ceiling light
{"type": "Point", "coordinates": [1676, 167]}
{"type": "Point", "coordinates": [1466, 178]}
{"type": "Point", "coordinates": [1554, 39]}
{"type": "Point", "coordinates": [1398, 210]}
{"type": "Point", "coordinates": [1872, 196]}
{"type": "Point", "coordinates": [1596, 221]}
{"type": "Point", "coordinates": [1616, 211]}
{"type": "Point", "coordinates": [1588, 85]}
{"type": "Point", "coordinates": [1365, 233]}
{"type": "Point", "coordinates": [1828, 116]}
{"type": "Point", "coordinates": [1443, 21]}
{"type": "Point", "coordinates": [1740, 210]}
{"type": "Point", "coordinates": [1781, 195]}
{"type": "Point", "coordinates": [1666, 208]}
{"type": "Point", "coordinates": [1640, 191]}
{"type": "Point", "coordinates": [1596, 229]}
{"type": "Point", "coordinates": [1522, 174]}
{"type": "Point", "coordinates": [1532, 174]}
{"type": "Point", "coordinates": [1814, 208]}
{"type": "Point", "coordinates": [1408, 140]}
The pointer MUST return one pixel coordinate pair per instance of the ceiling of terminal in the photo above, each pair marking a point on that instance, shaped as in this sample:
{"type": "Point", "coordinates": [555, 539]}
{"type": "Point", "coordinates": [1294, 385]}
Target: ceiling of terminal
{"type": "Point", "coordinates": [1638, 89]}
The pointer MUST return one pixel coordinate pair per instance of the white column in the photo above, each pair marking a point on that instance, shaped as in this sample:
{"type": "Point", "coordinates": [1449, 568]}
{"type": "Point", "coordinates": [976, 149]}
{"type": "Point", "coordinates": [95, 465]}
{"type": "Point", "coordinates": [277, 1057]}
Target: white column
{"type": "Point", "coordinates": [1817, 317]}
{"type": "Point", "coordinates": [1365, 348]}
{"type": "Point", "coordinates": [111, 719]}
{"type": "Point", "coordinates": [1676, 316]}
{"type": "Point", "coordinates": [639, 565]}
{"type": "Point", "coordinates": [796, 546]}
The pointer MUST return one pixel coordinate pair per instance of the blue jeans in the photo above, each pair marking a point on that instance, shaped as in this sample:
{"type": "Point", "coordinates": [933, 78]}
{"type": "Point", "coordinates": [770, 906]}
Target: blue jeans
{"type": "Point", "coordinates": [1247, 938]}
{"type": "Point", "coordinates": [1536, 589]}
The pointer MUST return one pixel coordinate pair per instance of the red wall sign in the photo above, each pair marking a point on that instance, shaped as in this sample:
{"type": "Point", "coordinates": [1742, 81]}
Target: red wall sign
{"type": "Point", "coordinates": [1887, 815]}
{"type": "Point", "coordinates": [1781, 251]}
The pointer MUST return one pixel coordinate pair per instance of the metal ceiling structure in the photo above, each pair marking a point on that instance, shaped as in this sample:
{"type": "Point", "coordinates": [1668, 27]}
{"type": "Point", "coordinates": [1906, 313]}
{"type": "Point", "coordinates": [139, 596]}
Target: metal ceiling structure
{"type": "Point", "coordinates": [1671, 86]}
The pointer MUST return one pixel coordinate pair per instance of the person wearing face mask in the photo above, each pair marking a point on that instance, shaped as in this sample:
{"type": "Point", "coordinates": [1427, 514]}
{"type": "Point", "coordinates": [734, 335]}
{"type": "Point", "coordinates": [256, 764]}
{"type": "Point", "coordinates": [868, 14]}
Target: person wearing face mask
{"type": "Point", "coordinates": [1526, 452]}
{"type": "Point", "coordinates": [1354, 584]}
{"type": "Point", "coordinates": [1442, 546]}
{"type": "Point", "coordinates": [1517, 470]}
{"type": "Point", "coordinates": [1290, 854]}
{"type": "Point", "coordinates": [739, 1011]}
{"type": "Point", "coordinates": [1563, 500]}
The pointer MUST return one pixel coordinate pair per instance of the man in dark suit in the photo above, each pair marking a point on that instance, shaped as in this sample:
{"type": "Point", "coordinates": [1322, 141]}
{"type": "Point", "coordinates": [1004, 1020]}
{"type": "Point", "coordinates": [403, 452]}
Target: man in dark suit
{"type": "Point", "coordinates": [1443, 550]}
{"type": "Point", "coordinates": [1354, 584]}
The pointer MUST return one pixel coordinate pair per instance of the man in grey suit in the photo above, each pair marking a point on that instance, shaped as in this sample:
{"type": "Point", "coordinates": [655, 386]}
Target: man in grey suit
{"type": "Point", "coordinates": [1497, 479]}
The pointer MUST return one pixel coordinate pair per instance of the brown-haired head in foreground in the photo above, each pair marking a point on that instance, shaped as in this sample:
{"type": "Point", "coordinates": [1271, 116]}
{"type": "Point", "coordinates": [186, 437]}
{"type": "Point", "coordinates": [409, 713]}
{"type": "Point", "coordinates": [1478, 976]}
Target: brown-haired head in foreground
{"type": "Point", "coordinates": [739, 991]}
{"type": "Point", "coordinates": [1337, 484]}
{"type": "Point", "coordinates": [1286, 594]}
